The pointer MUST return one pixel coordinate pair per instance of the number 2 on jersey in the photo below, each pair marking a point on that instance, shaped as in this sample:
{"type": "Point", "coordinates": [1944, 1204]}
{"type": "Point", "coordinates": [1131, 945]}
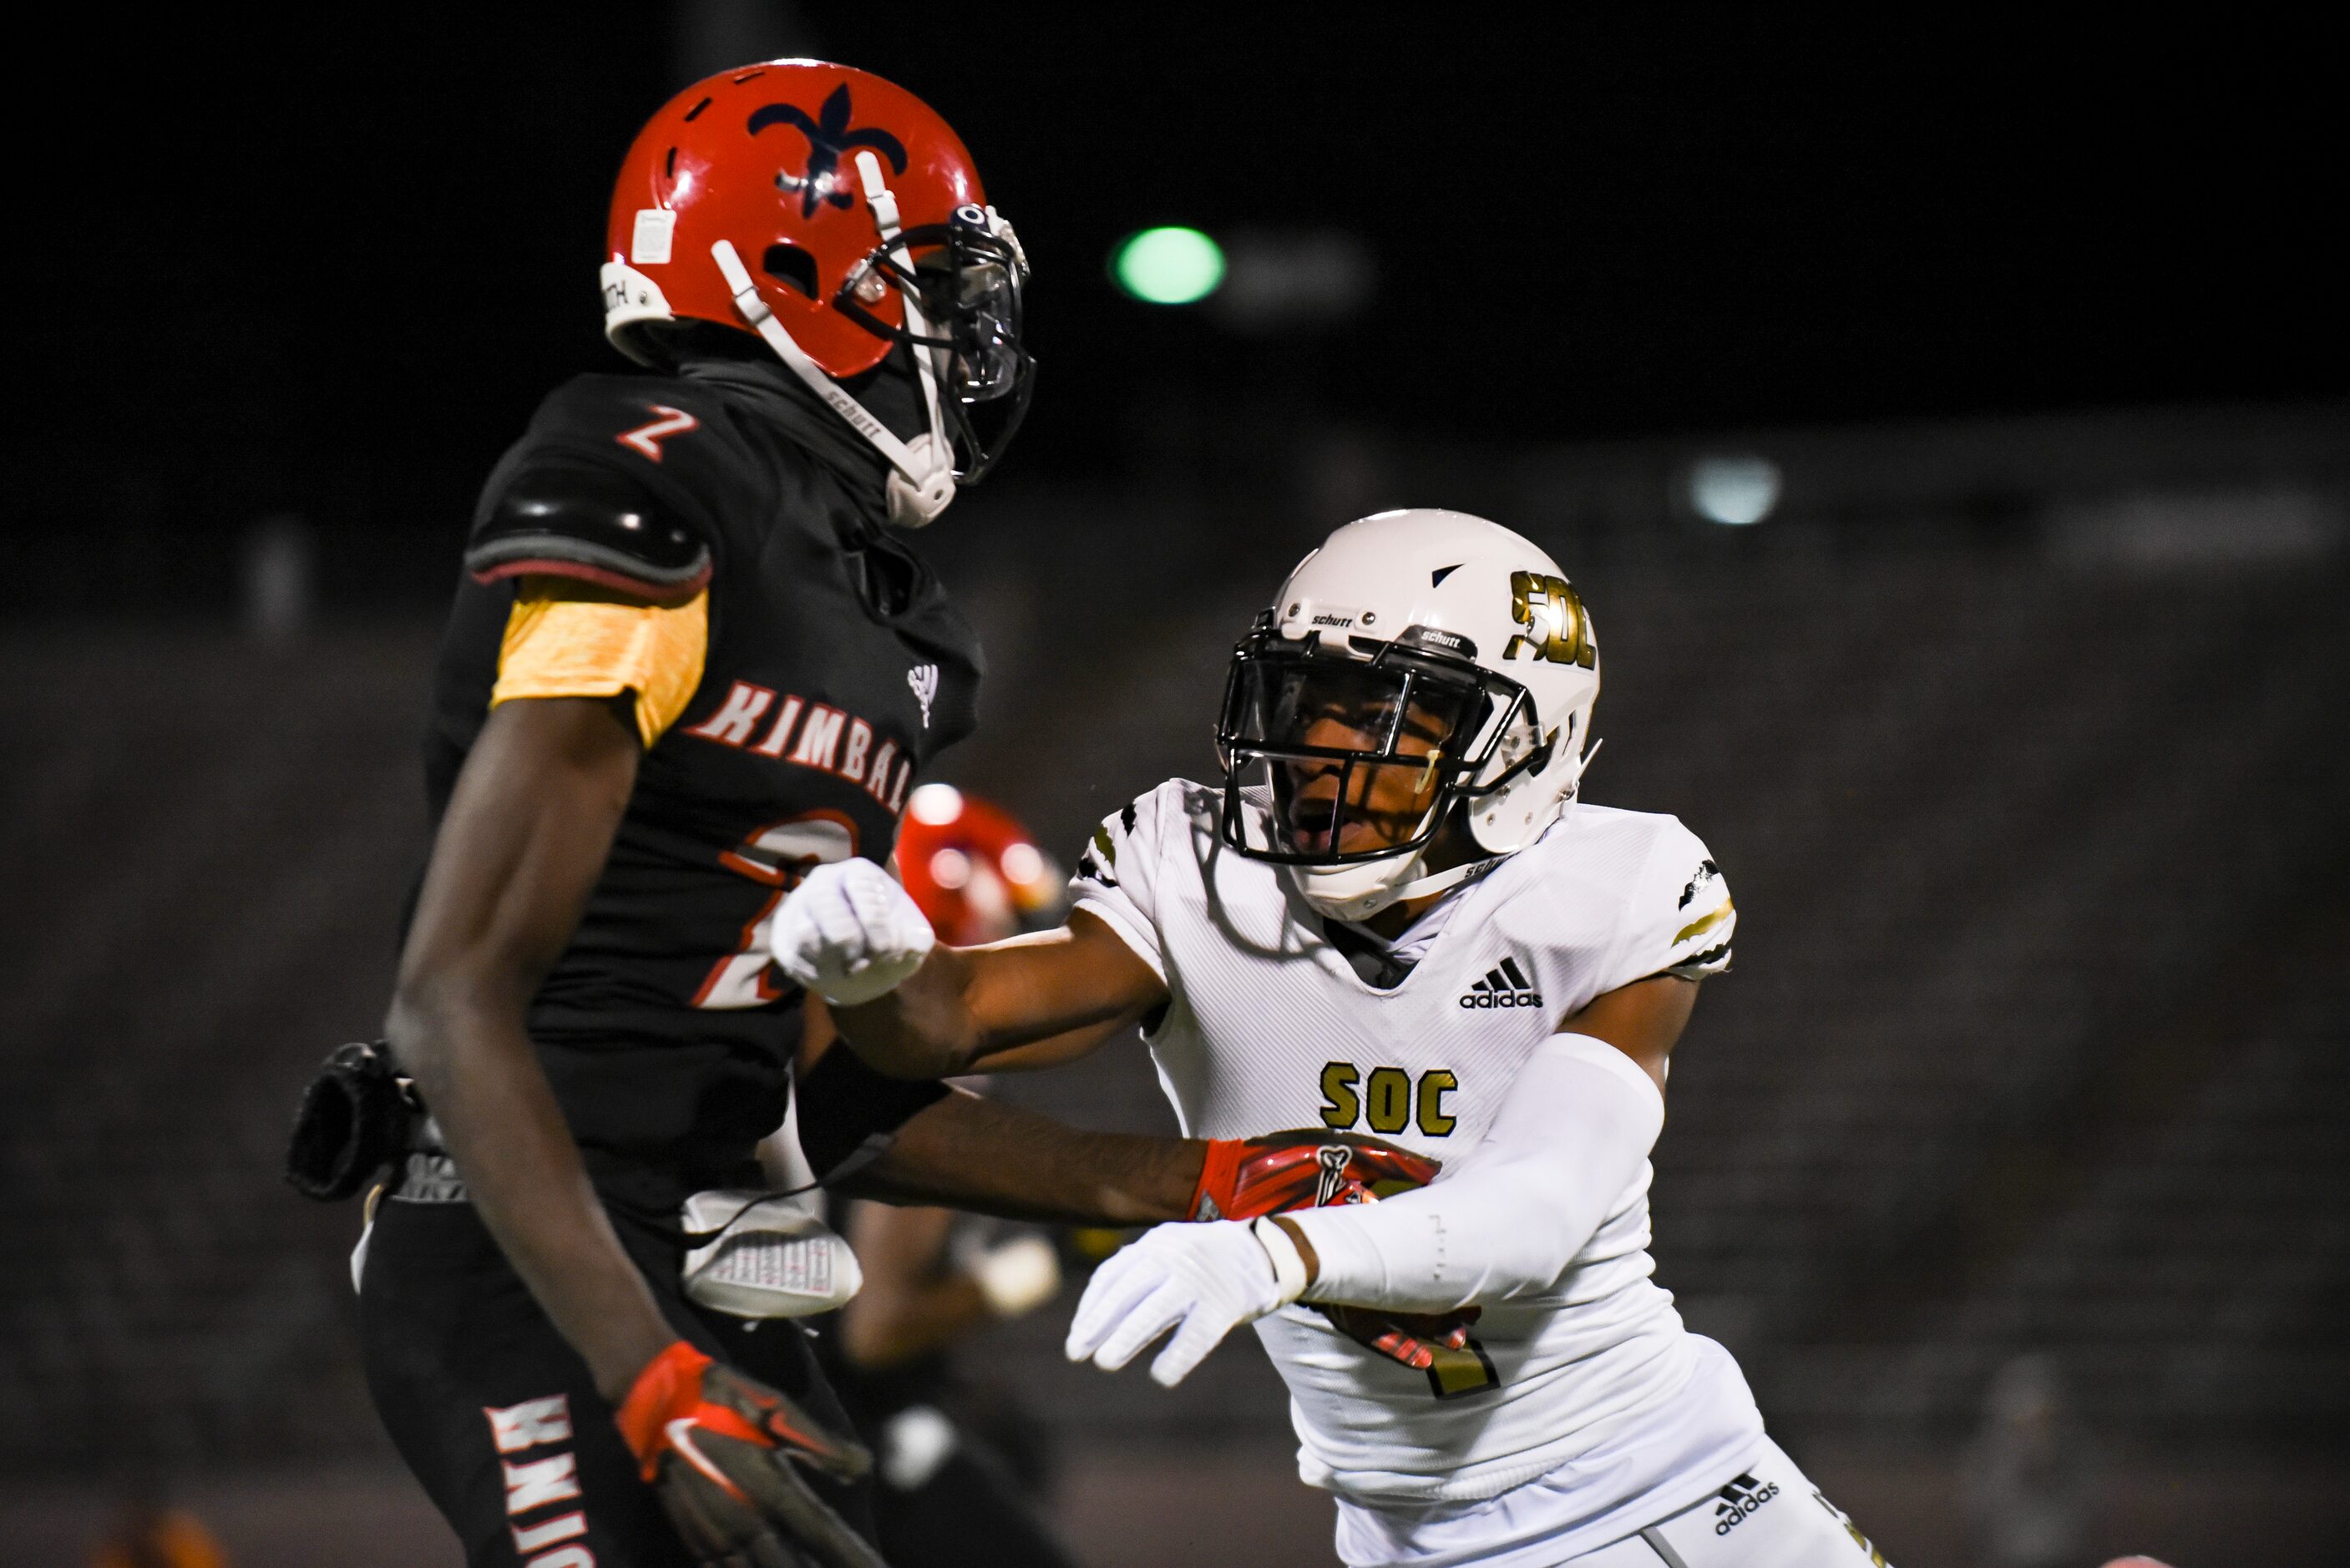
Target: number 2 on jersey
{"type": "Point", "coordinates": [648, 439]}
{"type": "Point", "coordinates": [778, 855]}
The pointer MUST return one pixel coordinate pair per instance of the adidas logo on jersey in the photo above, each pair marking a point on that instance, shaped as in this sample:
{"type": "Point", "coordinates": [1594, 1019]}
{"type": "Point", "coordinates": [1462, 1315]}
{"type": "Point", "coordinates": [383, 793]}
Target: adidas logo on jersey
{"type": "Point", "coordinates": [1505, 985]}
{"type": "Point", "coordinates": [1739, 1500]}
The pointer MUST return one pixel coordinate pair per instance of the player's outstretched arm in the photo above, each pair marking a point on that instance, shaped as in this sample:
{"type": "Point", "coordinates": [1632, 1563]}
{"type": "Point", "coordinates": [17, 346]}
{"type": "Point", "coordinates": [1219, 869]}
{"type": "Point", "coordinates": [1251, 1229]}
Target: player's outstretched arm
{"type": "Point", "coordinates": [1507, 1220]}
{"type": "Point", "coordinates": [981, 1154]}
{"type": "Point", "coordinates": [916, 1010]}
{"type": "Point", "coordinates": [518, 853]}
{"type": "Point", "coordinates": [1508, 1217]}
{"type": "Point", "coordinates": [954, 1149]}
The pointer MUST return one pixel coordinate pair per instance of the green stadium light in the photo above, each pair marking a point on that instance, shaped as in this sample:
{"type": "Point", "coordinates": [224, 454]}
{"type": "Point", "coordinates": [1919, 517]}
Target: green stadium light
{"type": "Point", "coordinates": [1168, 267]}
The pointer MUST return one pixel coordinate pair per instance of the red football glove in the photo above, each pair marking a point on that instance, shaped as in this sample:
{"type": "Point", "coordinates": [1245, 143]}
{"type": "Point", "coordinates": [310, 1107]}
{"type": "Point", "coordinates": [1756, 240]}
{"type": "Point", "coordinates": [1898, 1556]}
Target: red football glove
{"type": "Point", "coordinates": [721, 1449]}
{"type": "Point", "coordinates": [1309, 1169]}
{"type": "Point", "coordinates": [1435, 1343]}
{"type": "Point", "coordinates": [1305, 1169]}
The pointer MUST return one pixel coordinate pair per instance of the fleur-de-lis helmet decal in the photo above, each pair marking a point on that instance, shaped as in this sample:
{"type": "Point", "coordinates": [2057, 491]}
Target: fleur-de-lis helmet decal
{"type": "Point", "coordinates": [829, 136]}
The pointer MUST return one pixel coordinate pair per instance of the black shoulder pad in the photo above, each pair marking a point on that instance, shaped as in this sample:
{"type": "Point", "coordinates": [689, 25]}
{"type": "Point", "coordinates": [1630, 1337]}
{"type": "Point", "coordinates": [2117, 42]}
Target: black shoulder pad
{"type": "Point", "coordinates": [582, 520]}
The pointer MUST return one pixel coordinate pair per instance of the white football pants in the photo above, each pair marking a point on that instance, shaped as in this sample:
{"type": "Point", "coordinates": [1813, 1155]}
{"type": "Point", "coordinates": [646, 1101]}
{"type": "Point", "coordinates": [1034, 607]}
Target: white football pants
{"type": "Point", "coordinates": [1768, 1515]}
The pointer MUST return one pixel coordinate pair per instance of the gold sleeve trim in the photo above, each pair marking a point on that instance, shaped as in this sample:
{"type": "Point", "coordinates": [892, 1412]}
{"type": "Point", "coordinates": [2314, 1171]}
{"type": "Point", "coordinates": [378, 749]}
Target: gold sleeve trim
{"type": "Point", "coordinates": [1702, 923]}
{"type": "Point", "coordinates": [560, 644]}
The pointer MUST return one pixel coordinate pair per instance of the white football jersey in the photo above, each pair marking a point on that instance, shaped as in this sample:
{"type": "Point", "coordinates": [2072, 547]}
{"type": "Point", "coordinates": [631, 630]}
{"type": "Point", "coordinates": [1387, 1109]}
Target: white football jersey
{"type": "Point", "coordinates": [1269, 1028]}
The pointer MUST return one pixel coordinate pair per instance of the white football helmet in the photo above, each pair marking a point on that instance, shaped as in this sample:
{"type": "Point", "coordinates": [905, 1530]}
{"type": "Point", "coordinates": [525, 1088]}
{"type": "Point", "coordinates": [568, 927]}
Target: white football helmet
{"type": "Point", "coordinates": [1435, 627]}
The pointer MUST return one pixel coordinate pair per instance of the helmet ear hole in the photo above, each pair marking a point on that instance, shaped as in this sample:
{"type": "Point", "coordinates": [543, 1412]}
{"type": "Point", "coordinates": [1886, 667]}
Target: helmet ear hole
{"type": "Point", "coordinates": [790, 266]}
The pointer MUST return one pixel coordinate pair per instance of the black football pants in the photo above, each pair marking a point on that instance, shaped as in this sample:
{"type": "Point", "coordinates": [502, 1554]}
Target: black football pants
{"type": "Point", "coordinates": [496, 1415]}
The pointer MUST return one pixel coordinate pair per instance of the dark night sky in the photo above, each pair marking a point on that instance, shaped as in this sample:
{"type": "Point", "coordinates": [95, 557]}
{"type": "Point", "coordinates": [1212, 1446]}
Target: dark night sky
{"type": "Point", "coordinates": [335, 272]}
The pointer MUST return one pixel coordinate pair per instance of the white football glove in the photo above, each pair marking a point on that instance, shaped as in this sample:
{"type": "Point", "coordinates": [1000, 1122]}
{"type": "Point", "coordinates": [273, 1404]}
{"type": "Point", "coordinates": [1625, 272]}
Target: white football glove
{"type": "Point", "coordinates": [1202, 1281]}
{"type": "Point", "coordinates": [849, 933]}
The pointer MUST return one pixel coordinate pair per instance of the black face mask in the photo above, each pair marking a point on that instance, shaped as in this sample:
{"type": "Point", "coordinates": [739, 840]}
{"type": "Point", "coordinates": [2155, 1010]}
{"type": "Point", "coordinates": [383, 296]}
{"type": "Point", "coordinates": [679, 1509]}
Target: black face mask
{"type": "Point", "coordinates": [969, 279]}
{"type": "Point", "coordinates": [1296, 716]}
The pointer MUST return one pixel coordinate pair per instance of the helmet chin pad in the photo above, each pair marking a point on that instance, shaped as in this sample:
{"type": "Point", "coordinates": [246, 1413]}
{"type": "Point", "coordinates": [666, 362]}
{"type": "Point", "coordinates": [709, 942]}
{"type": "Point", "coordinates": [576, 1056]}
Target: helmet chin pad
{"type": "Point", "coordinates": [1521, 810]}
{"type": "Point", "coordinates": [915, 505]}
{"type": "Point", "coordinates": [1358, 890]}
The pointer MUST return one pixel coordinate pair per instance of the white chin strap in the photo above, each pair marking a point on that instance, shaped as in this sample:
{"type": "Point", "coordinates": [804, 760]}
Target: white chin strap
{"type": "Point", "coordinates": [921, 471]}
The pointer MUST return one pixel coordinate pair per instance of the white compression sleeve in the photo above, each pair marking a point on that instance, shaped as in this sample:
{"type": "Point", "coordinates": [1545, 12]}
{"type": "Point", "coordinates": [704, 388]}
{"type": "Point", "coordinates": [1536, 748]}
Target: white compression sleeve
{"type": "Point", "coordinates": [1571, 1137]}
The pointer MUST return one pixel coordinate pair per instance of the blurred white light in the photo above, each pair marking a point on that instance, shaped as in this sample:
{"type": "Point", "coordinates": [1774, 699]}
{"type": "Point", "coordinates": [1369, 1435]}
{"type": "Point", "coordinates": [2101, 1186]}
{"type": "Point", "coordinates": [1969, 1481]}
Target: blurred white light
{"type": "Point", "coordinates": [1733, 490]}
{"type": "Point", "coordinates": [281, 569]}
{"type": "Point", "coordinates": [1294, 280]}
{"type": "Point", "coordinates": [950, 869]}
{"type": "Point", "coordinates": [1022, 864]}
{"type": "Point", "coordinates": [935, 804]}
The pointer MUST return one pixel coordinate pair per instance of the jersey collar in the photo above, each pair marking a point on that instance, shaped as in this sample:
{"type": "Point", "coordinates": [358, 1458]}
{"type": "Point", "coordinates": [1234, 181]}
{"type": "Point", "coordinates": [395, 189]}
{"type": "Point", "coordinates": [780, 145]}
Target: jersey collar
{"type": "Point", "coordinates": [807, 424]}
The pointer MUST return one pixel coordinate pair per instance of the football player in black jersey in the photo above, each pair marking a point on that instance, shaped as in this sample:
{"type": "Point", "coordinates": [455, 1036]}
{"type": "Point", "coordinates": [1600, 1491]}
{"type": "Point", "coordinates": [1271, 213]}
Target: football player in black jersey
{"type": "Point", "coordinates": [688, 662]}
{"type": "Point", "coordinates": [689, 659]}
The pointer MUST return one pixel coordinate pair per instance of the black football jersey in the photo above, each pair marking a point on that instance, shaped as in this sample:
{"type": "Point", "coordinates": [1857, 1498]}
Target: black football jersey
{"type": "Point", "coordinates": [836, 670]}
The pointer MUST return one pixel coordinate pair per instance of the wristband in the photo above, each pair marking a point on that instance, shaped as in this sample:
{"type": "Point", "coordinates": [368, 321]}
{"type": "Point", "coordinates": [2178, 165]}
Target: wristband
{"type": "Point", "coordinates": [1219, 1172]}
{"type": "Point", "coordinates": [669, 1386]}
{"type": "Point", "coordinates": [1281, 1250]}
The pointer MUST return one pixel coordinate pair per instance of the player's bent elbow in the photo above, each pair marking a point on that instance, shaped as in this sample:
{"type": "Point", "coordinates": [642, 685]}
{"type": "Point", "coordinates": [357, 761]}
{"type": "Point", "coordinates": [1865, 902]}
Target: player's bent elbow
{"type": "Point", "coordinates": [432, 1014]}
{"type": "Point", "coordinates": [417, 1043]}
{"type": "Point", "coordinates": [910, 1059]}
{"type": "Point", "coordinates": [907, 1034]}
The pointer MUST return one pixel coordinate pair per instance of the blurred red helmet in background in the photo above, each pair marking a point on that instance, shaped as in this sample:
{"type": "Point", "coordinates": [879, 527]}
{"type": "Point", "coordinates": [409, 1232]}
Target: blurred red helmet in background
{"type": "Point", "coordinates": [973, 869]}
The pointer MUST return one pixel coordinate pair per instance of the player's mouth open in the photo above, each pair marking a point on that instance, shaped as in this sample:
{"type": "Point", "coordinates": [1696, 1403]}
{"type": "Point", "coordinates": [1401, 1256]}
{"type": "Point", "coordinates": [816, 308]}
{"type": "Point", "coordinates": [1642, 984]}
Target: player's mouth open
{"type": "Point", "coordinates": [1310, 822]}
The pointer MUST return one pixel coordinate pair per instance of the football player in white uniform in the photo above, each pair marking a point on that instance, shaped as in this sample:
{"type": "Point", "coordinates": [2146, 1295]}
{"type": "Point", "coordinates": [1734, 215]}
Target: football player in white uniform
{"type": "Point", "coordinates": [1395, 917]}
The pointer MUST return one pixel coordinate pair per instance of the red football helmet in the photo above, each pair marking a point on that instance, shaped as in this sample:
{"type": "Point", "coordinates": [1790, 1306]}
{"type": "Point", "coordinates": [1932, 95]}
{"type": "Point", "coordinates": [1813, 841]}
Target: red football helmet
{"type": "Point", "coordinates": [835, 215]}
{"type": "Point", "coordinates": [972, 869]}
